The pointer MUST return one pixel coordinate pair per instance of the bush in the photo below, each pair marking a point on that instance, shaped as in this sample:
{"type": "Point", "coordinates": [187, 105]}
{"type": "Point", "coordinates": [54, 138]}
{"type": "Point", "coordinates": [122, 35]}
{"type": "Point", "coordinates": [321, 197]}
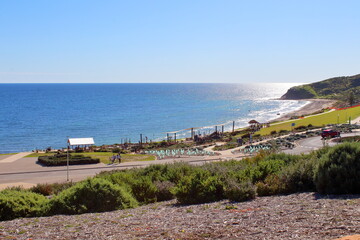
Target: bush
{"type": "Point", "coordinates": [200, 187]}
{"type": "Point", "coordinates": [47, 189]}
{"type": "Point", "coordinates": [143, 189]}
{"type": "Point", "coordinates": [141, 186]}
{"type": "Point", "coordinates": [240, 192]}
{"type": "Point", "coordinates": [271, 186]}
{"type": "Point", "coordinates": [298, 177]}
{"type": "Point", "coordinates": [61, 160]}
{"type": "Point", "coordinates": [164, 190]}
{"type": "Point", "coordinates": [338, 170]}
{"type": "Point", "coordinates": [91, 195]}
{"type": "Point", "coordinates": [15, 204]}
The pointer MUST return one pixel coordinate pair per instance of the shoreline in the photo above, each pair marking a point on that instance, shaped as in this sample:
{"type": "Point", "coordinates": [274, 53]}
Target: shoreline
{"type": "Point", "coordinates": [313, 106]}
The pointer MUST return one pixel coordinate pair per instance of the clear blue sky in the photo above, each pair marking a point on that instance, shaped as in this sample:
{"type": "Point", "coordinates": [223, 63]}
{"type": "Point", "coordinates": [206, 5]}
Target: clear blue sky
{"type": "Point", "coordinates": [178, 41]}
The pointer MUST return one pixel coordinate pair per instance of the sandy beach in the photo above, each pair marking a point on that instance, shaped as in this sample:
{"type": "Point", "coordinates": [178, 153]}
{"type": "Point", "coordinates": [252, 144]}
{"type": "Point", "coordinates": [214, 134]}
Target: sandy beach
{"type": "Point", "coordinates": [313, 106]}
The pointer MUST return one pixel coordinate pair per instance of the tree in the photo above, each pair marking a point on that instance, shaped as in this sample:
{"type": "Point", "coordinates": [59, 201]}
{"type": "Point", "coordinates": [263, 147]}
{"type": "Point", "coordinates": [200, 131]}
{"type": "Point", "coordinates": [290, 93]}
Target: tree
{"type": "Point", "coordinates": [351, 98]}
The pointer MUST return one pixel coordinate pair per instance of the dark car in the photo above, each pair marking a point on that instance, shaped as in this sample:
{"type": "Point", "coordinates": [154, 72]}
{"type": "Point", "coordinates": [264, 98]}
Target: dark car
{"type": "Point", "coordinates": [330, 133]}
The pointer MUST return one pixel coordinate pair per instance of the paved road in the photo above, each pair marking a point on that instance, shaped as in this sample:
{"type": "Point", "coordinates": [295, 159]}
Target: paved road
{"type": "Point", "coordinates": [313, 143]}
{"type": "Point", "coordinates": [27, 172]}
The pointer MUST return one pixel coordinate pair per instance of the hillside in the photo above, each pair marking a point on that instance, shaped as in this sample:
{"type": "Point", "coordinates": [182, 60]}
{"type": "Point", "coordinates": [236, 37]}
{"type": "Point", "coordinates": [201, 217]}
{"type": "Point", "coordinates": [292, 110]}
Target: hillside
{"type": "Point", "coordinates": [338, 88]}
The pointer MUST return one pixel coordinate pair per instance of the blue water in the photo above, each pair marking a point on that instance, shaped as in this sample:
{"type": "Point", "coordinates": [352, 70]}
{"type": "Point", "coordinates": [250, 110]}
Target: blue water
{"type": "Point", "coordinates": [41, 115]}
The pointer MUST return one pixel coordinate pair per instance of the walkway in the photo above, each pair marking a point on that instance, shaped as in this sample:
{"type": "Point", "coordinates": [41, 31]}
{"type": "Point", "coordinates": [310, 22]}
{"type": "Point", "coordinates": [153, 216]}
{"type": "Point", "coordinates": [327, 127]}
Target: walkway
{"type": "Point", "coordinates": [13, 158]}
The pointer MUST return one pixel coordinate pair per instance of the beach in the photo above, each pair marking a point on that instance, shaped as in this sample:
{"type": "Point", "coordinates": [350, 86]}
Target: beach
{"type": "Point", "coordinates": [313, 106]}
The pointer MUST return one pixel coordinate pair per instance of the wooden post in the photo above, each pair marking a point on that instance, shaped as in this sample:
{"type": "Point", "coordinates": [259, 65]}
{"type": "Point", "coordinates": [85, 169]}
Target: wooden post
{"type": "Point", "coordinates": [233, 126]}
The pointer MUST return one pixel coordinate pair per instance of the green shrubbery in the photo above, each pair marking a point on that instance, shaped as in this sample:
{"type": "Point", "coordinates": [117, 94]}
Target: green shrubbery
{"type": "Point", "coordinates": [20, 203]}
{"type": "Point", "coordinates": [61, 160]}
{"type": "Point", "coordinates": [328, 170]}
{"type": "Point", "coordinates": [200, 187]}
{"type": "Point", "coordinates": [48, 189]}
{"type": "Point", "coordinates": [338, 170]}
{"type": "Point", "coordinates": [91, 195]}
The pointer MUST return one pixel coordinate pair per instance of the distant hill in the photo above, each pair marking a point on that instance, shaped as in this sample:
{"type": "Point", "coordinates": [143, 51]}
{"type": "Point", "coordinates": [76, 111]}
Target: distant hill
{"type": "Point", "coordinates": [338, 88]}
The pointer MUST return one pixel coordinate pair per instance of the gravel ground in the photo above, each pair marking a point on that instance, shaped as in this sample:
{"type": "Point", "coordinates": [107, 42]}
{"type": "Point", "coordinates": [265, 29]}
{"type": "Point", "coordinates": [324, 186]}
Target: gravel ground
{"type": "Point", "coordinates": [296, 216]}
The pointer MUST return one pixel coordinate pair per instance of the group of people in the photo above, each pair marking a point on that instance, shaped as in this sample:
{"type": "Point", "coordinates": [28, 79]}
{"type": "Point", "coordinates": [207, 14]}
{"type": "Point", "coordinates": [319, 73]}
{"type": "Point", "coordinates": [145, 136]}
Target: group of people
{"type": "Point", "coordinates": [113, 158]}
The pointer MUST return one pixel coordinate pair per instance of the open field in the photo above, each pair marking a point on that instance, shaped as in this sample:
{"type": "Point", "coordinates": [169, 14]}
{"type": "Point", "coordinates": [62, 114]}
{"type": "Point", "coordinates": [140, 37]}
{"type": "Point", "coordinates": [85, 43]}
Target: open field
{"type": "Point", "coordinates": [333, 117]}
{"type": "Point", "coordinates": [104, 156]}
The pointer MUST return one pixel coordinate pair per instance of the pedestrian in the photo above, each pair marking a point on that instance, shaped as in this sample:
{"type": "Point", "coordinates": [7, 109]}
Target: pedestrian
{"type": "Point", "coordinates": [119, 157]}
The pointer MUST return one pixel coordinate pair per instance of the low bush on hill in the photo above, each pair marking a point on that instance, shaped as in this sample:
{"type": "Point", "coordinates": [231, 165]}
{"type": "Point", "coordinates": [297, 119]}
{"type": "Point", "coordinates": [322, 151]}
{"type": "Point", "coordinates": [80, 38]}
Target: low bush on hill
{"type": "Point", "coordinates": [15, 204]}
{"type": "Point", "coordinates": [240, 191]}
{"type": "Point", "coordinates": [61, 160]}
{"type": "Point", "coordinates": [200, 187]}
{"type": "Point", "coordinates": [338, 170]}
{"type": "Point", "coordinates": [91, 195]}
{"type": "Point", "coordinates": [48, 189]}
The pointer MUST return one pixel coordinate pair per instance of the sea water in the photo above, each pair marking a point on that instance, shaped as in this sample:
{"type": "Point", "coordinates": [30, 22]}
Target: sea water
{"type": "Point", "coordinates": [36, 116]}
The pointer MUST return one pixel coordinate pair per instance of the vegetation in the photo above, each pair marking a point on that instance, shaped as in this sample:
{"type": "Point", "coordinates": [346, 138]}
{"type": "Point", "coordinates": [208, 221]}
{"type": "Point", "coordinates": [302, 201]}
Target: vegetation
{"type": "Point", "coordinates": [61, 160]}
{"type": "Point", "coordinates": [91, 195]}
{"type": "Point", "coordinates": [17, 203]}
{"type": "Point", "coordinates": [328, 170]}
{"type": "Point", "coordinates": [339, 88]}
{"type": "Point", "coordinates": [338, 170]}
{"type": "Point", "coordinates": [104, 156]}
{"type": "Point", "coordinates": [333, 117]}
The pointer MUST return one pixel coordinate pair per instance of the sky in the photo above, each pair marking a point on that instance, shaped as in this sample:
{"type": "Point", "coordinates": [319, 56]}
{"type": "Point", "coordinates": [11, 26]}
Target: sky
{"type": "Point", "coordinates": [230, 41]}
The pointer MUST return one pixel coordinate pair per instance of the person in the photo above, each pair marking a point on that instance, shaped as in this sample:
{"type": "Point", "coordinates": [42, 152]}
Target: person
{"type": "Point", "coordinates": [119, 157]}
{"type": "Point", "coordinates": [112, 159]}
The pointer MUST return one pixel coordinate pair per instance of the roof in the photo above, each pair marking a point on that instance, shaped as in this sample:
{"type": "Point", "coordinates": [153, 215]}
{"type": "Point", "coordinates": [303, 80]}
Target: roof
{"type": "Point", "coordinates": [81, 141]}
{"type": "Point", "coordinates": [253, 121]}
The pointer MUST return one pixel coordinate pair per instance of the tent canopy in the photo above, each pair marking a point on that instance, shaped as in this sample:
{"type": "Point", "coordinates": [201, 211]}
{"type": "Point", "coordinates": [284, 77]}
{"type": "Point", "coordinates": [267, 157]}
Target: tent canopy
{"type": "Point", "coordinates": [81, 141]}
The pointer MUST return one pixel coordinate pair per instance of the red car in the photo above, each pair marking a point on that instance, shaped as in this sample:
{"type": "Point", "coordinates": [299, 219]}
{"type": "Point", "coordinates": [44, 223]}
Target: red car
{"type": "Point", "coordinates": [330, 133]}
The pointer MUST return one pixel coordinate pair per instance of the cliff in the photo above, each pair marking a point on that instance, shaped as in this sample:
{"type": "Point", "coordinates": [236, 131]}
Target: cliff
{"type": "Point", "coordinates": [334, 88]}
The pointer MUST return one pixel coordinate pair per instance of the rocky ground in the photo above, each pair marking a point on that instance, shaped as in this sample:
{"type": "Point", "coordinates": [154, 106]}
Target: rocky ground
{"type": "Point", "coordinates": [296, 216]}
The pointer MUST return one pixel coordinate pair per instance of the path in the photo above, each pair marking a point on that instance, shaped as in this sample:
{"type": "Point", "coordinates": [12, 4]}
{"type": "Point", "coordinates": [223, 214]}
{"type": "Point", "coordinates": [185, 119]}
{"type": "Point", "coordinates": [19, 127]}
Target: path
{"type": "Point", "coordinates": [15, 157]}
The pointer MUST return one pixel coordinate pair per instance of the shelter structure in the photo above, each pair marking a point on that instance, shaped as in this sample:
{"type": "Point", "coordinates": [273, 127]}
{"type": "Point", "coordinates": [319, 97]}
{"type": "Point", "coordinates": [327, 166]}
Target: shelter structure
{"type": "Point", "coordinates": [254, 125]}
{"type": "Point", "coordinates": [80, 143]}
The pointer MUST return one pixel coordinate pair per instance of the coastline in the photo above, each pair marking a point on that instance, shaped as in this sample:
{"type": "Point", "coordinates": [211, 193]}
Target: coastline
{"type": "Point", "coordinates": [313, 106]}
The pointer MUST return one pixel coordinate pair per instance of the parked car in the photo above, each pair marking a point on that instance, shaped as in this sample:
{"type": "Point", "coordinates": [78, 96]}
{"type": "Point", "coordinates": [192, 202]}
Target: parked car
{"type": "Point", "coordinates": [329, 133]}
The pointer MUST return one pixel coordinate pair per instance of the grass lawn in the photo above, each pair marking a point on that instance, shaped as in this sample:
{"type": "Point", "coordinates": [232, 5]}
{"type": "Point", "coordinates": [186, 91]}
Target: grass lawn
{"type": "Point", "coordinates": [2, 154]}
{"type": "Point", "coordinates": [316, 120]}
{"type": "Point", "coordinates": [104, 156]}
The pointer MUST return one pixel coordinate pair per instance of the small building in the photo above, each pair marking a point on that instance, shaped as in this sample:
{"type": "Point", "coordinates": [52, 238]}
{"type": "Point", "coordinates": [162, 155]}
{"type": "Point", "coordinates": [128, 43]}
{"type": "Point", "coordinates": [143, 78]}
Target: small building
{"type": "Point", "coordinates": [80, 143]}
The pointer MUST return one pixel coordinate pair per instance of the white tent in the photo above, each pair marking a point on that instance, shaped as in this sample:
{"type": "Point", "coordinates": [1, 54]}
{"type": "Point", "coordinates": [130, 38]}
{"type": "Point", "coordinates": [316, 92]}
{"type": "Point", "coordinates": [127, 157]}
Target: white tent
{"type": "Point", "coordinates": [80, 141]}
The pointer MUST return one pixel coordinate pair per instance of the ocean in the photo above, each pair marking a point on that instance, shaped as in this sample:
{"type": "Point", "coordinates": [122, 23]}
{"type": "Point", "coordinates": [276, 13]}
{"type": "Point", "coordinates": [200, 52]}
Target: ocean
{"type": "Point", "coordinates": [37, 116]}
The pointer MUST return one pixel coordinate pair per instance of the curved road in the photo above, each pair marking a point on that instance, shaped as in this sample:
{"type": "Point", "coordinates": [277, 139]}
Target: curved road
{"type": "Point", "coordinates": [313, 143]}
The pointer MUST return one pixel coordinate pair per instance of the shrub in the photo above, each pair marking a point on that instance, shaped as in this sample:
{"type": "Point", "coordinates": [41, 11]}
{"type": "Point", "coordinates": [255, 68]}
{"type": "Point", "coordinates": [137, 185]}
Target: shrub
{"type": "Point", "coordinates": [271, 186]}
{"type": "Point", "coordinates": [47, 189]}
{"type": "Point", "coordinates": [61, 160]}
{"type": "Point", "coordinates": [338, 170]}
{"type": "Point", "coordinates": [15, 204]}
{"type": "Point", "coordinates": [299, 176]}
{"type": "Point", "coordinates": [43, 189]}
{"type": "Point", "coordinates": [141, 187]}
{"type": "Point", "coordinates": [239, 192]}
{"type": "Point", "coordinates": [91, 195]}
{"type": "Point", "coordinates": [200, 187]}
{"type": "Point", "coordinates": [164, 190]}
